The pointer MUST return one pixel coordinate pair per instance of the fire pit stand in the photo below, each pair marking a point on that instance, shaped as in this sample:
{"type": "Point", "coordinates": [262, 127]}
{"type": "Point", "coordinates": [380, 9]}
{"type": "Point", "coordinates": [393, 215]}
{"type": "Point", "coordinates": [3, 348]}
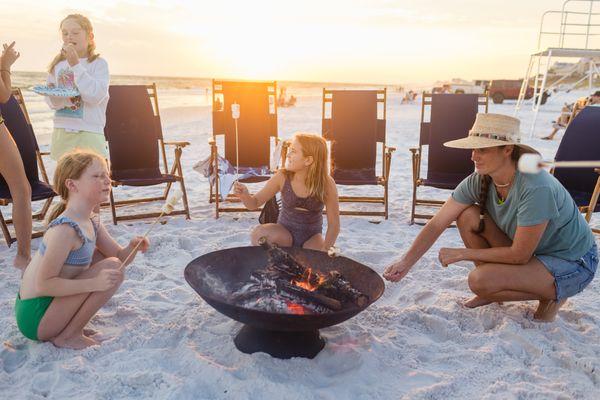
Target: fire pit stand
{"type": "Point", "coordinates": [279, 344]}
{"type": "Point", "coordinates": [282, 333]}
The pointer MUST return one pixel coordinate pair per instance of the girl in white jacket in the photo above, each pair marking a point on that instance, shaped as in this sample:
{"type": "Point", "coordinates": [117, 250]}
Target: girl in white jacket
{"type": "Point", "coordinates": [78, 121]}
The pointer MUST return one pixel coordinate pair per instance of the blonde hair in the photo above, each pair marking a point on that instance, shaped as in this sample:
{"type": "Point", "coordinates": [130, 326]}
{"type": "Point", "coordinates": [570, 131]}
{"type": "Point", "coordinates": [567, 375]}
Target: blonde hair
{"type": "Point", "coordinates": [70, 166]}
{"type": "Point", "coordinates": [316, 179]}
{"type": "Point", "coordinates": [86, 25]}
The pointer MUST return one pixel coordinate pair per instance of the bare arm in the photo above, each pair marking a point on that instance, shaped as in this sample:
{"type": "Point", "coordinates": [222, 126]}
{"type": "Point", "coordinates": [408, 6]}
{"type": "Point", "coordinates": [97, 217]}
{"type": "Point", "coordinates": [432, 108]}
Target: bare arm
{"type": "Point", "coordinates": [252, 202]}
{"type": "Point", "coordinates": [110, 248]}
{"type": "Point", "coordinates": [59, 241]}
{"type": "Point", "coordinates": [425, 239]}
{"type": "Point", "coordinates": [332, 208]}
{"type": "Point", "coordinates": [524, 244]}
{"type": "Point", "coordinates": [9, 56]}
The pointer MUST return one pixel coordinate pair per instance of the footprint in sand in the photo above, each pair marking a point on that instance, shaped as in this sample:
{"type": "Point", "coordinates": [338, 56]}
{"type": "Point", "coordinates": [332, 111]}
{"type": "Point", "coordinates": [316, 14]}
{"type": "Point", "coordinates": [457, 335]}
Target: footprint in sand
{"type": "Point", "coordinates": [12, 358]}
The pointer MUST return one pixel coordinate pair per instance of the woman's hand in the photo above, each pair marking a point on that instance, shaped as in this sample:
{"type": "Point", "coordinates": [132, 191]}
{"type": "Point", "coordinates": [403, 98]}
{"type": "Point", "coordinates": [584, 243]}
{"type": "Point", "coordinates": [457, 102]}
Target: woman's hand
{"type": "Point", "coordinates": [449, 256]}
{"type": "Point", "coordinates": [107, 279]}
{"type": "Point", "coordinates": [9, 56]}
{"type": "Point", "coordinates": [240, 189]}
{"type": "Point", "coordinates": [71, 54]}
{"type": "Point", "coordinates": [396, 271]}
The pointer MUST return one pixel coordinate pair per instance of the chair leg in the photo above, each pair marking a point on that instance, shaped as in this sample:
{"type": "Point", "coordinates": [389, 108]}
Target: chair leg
{"type": "Point", "coordinates": [45, 208]}
{"type": "Point", "coordinates": [593, 201]}
{"type": "Point", "coordinates": [112, 208]}
{"type": "Point", "coordinates": [415, 166]}
{"type": "Point", "coordinates": [5, 231]}
{"type": "Point", "coordinates": [183, 191]}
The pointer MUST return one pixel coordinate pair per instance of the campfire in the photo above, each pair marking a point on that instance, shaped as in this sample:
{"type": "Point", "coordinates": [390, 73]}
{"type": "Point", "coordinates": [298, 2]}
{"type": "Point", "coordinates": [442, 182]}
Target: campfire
{"type": "Point", "coordinates": [283, 296]}
{"type": "Point", "coordinates": [287, 285]}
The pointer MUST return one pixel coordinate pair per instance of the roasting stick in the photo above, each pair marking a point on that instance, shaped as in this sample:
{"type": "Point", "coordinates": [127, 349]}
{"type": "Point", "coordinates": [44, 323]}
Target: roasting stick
{"type": "Point", "coordinates": [235, 113]}
{"type": "Point", "coordinates": [167, 208]}
{"type": "Point", "coordinates": [532, 164]}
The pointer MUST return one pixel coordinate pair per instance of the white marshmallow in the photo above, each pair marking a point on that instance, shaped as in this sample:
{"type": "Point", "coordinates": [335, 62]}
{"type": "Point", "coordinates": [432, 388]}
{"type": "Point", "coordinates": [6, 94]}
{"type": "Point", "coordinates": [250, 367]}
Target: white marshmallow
{"type": "Point", "coordinates": [235, 110]}
{"type": "Point", "coordinates": [334, 251]}
{"type": "Point", "coordinates": [529, 163]}
{"type": "Point", "coordinates": [172, 201]}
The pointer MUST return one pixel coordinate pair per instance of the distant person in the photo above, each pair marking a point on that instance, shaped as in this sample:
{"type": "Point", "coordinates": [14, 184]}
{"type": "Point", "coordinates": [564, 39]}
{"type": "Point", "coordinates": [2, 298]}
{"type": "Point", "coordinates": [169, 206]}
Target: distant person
{"type": "Point", "coordinates": [12, 169]}
{"type": "Point", "coordinates": [306, 188]}
{"type": "Point", "coordinates": [77, 267]}
{"type": "Point", "coordinates": [523, 232]}
{"type": "Point", "coordinates": [78, 121]}
{"type": "Point", "coordinates": [565, 117]}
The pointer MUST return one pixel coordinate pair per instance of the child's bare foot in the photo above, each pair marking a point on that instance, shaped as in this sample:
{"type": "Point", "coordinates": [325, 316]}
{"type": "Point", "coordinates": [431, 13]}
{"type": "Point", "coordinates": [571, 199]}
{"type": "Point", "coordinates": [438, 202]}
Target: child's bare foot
{"type": "Point", "coordinates": [547, 310]}
{"type": "Point", "coordinates": [76, 342]}
{"type": "Point", "coordinates": [21, 261]}
{"type": "Point", "coordinates": [477, 302]}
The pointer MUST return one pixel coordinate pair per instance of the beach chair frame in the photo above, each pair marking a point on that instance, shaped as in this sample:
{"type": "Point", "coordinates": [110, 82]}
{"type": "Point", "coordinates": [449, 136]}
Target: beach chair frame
{"type": "Point", "coordinates": [417, 152]}
{"type": "Point", "coordinates": [175, 170]}
{"type": "Point", "coordinates": [381, 178]}
{"type": "Point", "coordinates": [41, 214]}
{"type": "Point", "coordinates": [223, 95]}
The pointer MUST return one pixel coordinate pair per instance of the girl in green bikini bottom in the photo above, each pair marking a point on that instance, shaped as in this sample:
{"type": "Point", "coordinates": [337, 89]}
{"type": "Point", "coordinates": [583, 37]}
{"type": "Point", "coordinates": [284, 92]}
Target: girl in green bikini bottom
{"type": "Point", "coordinates": [78, 266]}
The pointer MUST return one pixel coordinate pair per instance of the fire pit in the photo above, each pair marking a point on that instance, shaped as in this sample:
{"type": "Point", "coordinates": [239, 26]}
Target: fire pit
{"type": "Point", "coordinates": [283, 296]}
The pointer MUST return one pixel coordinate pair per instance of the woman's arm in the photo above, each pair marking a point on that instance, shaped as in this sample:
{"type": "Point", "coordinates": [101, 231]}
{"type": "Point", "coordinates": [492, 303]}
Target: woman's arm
{"type": "Point", "coordinates": [523, 246]}
{"type": "Point", "coordinates": [60, 240]}
{"type": "Point", "coordinates": [252, 202]}
{"type": "Point", "coordinates": [332, 208]}
{"type": "Point", "coordinates": [7, 59]}
{"type": "Point", "coordinates": [425, 239]}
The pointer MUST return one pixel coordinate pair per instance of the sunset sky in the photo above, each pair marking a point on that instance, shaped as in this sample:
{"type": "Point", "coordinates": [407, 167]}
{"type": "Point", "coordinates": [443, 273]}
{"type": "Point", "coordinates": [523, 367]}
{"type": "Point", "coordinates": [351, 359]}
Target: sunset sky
{"type": "Point", "coordinates": [374, 41]}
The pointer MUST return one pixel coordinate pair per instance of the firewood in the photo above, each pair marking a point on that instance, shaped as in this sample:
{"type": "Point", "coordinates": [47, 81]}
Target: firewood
{"type": "Point", "coordinates": [332, 304]}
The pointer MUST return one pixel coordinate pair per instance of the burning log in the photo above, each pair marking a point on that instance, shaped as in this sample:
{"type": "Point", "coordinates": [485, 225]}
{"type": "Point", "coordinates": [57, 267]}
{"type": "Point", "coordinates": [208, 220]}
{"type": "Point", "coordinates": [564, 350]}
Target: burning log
{"type": "Point", "coordinates": [312, 285]}
{"type": "Point", "coordinates": [286, 287]}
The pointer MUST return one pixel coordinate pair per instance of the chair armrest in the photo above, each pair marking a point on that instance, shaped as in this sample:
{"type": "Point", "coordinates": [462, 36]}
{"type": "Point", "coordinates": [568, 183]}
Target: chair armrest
{"type": "Point", "coordinates": [177, 143]}
{"type": "Point", "coordinates": [413, 150]}
{"type": "Point", "coordinates": [389, 149]}
{"type": "Point", "coordinates": [44, 153]}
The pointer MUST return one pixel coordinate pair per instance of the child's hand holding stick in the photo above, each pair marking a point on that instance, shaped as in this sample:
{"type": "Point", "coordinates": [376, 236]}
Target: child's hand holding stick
{"type": "Point", "coordinates": [137, 242]}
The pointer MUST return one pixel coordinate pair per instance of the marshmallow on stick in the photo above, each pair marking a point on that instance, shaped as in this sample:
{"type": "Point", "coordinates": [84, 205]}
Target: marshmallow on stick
{"type": "Point", "coordinates": [334, 252]}
{"type": "Point", "coordinates": [530, 163]}
{"type": "Point", "coordinates": [167, 208]}
{"type": "Point", "coordinates": [235, 114]}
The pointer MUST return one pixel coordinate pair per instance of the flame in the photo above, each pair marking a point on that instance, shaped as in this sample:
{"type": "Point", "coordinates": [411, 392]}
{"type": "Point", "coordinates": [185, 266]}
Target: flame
{"type": "Point", "coordinates": [307, 280]}
{"type": "Point", "coordinates": [295, 308]}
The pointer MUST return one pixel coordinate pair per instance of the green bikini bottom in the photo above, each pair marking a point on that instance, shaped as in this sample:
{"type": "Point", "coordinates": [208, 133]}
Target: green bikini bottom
{"type": "Point", "coordinates": [29, 313]}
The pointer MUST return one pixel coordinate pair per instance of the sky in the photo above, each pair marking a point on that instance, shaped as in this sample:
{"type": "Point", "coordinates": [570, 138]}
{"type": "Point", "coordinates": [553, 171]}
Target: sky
{"type": "Point", "coordinates": [364, 41]}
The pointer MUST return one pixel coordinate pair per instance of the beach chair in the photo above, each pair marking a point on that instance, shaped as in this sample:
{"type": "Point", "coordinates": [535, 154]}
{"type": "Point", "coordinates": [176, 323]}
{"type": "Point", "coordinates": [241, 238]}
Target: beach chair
{"type": "Point", "coordinates": [257, 129]}
{"type": "Point", "coordinates": [18, 123]}
{"type": "Point", "coordinates": [354, 124]}
{"type": "Point", "coordinates": [451, 116]}
{"type": "Point", "coordinates": [135, 141]}
{"type": "Point", "coordinates": [581, 142]}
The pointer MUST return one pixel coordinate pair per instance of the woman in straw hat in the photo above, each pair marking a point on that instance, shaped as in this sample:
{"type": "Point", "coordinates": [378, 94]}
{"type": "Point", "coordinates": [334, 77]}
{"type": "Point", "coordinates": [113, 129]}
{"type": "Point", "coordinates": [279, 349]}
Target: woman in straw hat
{"type": "Point", "coordinates": [524, 232]}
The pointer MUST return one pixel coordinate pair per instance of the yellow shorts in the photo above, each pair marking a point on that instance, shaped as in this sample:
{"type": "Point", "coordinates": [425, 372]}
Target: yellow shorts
{"type": "Point", "coordinates": [64, 141]}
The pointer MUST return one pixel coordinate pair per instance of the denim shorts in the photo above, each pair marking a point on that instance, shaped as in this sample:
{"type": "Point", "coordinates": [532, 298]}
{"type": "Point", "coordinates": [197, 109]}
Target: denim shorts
{"type": "Point", "coordinates": [571, 277]}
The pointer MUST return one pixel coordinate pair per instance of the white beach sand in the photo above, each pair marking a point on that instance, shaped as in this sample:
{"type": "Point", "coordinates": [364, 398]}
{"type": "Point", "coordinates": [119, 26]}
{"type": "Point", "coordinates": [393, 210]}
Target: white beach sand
{"type": "Point", "coordinates": [161, 340]}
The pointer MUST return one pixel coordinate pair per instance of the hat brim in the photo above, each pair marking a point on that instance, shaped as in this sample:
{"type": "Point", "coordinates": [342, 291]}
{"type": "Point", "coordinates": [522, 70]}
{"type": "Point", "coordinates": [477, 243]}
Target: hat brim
{"type": "Point", "coordinates": [477, 142]}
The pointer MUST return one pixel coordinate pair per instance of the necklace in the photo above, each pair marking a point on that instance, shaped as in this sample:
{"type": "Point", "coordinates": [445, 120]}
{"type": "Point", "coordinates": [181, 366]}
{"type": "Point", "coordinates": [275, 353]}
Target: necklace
{"type": "Point", "coordinates": [506, 184]}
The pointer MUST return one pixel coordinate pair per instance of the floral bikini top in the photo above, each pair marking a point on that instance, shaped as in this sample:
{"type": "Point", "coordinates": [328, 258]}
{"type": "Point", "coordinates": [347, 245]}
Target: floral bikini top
{"type": "Point", "coordinates": [81, 256]}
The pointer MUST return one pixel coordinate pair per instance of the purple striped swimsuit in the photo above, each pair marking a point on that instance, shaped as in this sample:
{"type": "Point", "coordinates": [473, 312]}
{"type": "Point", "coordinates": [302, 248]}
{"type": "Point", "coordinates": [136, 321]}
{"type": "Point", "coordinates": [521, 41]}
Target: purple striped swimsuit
{"type": "Point", "coordinates": [302, 224]}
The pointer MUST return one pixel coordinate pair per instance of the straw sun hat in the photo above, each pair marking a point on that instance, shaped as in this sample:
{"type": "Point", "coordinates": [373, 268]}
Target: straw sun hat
{"type": "Point", "coordinates": [491, 130]}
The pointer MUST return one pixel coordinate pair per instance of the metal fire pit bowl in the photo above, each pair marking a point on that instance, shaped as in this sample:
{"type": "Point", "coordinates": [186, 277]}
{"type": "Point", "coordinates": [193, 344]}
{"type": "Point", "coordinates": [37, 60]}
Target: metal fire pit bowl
{"type": "Point", "coordinates": [280, 335]}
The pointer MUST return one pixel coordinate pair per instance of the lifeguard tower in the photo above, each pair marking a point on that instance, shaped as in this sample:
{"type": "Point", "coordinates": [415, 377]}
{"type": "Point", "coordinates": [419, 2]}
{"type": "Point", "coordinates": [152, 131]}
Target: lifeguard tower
{"type": "Point", "coordinates": [572, 32]}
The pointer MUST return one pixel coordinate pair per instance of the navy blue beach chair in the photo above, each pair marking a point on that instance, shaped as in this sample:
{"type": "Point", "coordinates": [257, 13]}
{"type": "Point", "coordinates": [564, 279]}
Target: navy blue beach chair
{"type": "Point", "coordinates": [581, 142]}
{"type": "Point", "coordinates": [18, 124]}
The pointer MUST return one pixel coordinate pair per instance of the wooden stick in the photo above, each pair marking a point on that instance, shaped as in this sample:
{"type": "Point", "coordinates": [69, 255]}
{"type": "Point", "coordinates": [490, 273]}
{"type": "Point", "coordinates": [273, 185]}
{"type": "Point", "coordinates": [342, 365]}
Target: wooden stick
{"type": "Point", "coordinates": [140, 242]}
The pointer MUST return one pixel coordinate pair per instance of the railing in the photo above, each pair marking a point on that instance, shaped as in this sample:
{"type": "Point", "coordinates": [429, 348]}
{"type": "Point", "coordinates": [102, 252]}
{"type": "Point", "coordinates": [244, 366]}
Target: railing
{"type": "Point", "coordinates": [581, 27]}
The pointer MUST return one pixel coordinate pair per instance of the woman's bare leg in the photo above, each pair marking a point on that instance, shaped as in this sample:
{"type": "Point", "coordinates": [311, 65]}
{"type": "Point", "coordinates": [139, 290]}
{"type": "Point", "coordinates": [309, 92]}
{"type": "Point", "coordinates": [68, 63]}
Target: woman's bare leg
{"type": "Point", "coordinates": [467, 223]}
{"type": "Point", "coordinates": [315, 242]}
{"type": "Point", "coordinates": [11, 168]}
{"type": "Point", "coordinates": [66, 316]}
{"type": "Point", "coordinates": [275, 234]}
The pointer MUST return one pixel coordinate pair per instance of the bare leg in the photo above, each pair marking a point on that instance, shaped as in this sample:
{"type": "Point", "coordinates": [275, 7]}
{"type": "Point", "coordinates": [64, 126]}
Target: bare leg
{"type": "Point", "coordinates": [11, 168]}
{"type": "Point", "coordinates": [66, 317]}
{"type": "Point", "coordinates": [551, 135]}
{"type": "Point", "coordinates": [314, 243]}
{"type": "Point", "coordinates": [275, 234]}
{"type": "Point", "coordinates": [467, 223]}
